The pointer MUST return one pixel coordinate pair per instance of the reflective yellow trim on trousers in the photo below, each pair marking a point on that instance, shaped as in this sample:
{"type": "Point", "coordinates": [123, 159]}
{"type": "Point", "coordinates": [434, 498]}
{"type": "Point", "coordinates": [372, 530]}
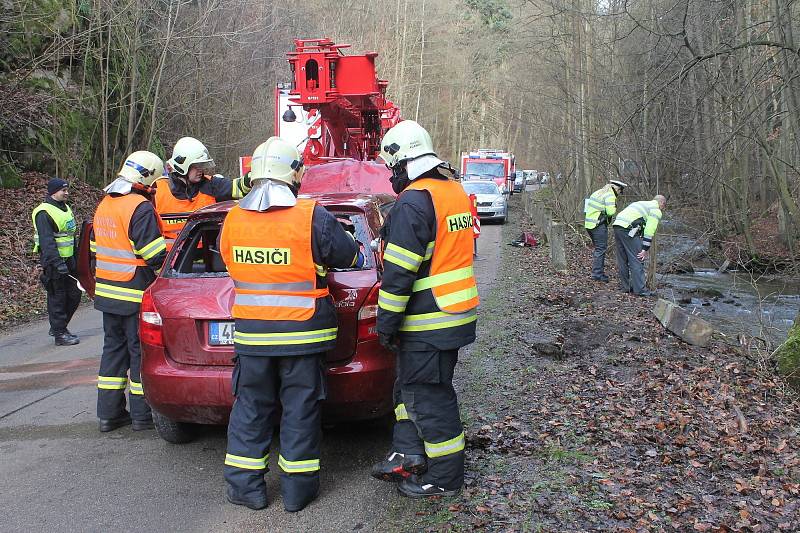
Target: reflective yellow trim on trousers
{"type": "Point", "coordinates": [296, 467]}
{"type": "Point", "coordinates": [447, 447]}
{"type": "Point", "coordinates": [136, 388]}
{"type": "Point", "coordinates": [402, 257]}
{"type": "Point", "coordinates": [392, 302]}
{"type": "Point", "coordinates": [457, 297]}
{"type": "Point", "coordinates": [111, 383]}
{"type": "Point", "coordinates": [118, 293]}
{"type": "Point", "coordinates": [322, 271]}
{"type": "Point", "coordinates": [93, 247]}
{"type": "Point", "coordinates": [247, 463]}
{"type": "Point", "coordinates": [442, 279]}
{"type": "Point", "coordinates": [294, 337]}
{"type": "Point", "coordinates": [437, 320]}
{"type": "Point", "coordinates": [400, 412]}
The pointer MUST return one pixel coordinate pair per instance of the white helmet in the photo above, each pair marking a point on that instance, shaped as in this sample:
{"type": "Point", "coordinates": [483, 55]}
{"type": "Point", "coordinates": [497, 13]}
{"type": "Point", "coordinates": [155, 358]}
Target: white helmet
{"type": "Point", "coordinates": [141, 167]}
{"type": "Point", "coordinates": [408, 141]}
{"type": "Point", "coordinates": [189, 151]}
{"type": "Point", "coordinates": [277, 160]}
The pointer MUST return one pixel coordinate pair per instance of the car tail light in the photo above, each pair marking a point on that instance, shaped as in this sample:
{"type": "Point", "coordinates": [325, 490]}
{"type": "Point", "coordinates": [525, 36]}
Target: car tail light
{"type": "Point", "coordinates": [368, 316]}
{"type": "Point", "coordinates": [150, 322]}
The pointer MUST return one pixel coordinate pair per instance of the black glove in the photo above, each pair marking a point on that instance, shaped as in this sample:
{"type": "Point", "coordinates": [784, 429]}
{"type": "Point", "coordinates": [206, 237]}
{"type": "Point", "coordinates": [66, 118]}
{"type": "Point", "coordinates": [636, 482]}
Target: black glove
{"type": "Point", "coordinates": [62, 269]}
{"type": "Point", "coordinates": [389, 342]}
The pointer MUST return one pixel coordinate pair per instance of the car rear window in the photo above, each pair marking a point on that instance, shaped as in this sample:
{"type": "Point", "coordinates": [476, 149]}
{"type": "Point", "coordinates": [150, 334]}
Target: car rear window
{"type": "Point", "coordinates": [197, 255]}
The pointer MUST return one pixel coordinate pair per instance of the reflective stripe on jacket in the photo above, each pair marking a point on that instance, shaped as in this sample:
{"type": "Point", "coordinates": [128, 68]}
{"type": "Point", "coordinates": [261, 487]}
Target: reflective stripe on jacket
{"type": "Point", "coordinates": [173, 212]}
{"type": "Point", "coordinates": [601, 203]}
{"type": "Point", "coordinates": [450, 279]}
{"type": "Point", "coordinates": [269, 258]}
{"type": "Point", "coordinates": [65, 232]}
{"type": "Point", "coordinates": [116, 258]}
{"type": "Point", "coordinates": [645, 211]}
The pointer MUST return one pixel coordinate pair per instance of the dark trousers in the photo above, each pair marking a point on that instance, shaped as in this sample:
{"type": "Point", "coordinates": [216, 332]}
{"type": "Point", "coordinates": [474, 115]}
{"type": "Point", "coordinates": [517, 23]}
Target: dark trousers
{"type": "Point", "coordinates": [122, 357]}
{"type": "Point", "coordinates": [631, 270]}
{"type": "Point", "coordinates": [262, 385]}
{"type": "Point", "coordinates": [63, 298]}
{"type": "Point", "coordinates": [599, 236]}
{"type": "Point", "coordinates": [428, 420]}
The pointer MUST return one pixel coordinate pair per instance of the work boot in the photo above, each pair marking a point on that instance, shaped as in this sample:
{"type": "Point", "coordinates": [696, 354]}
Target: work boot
{"type": "Point", "coordinates": [235, 499]}
{"type": "Point", "coordinates": [142, 425]}
{"type": "Point", "coordinates": [298, 490]}
{"type": "Point", "coordinates": [646, 294]}
{"type": "Point", "coordinates": [110, 424]}
{"type": "Point", "coordinates": [415, 487]}
{"type": "Point", "coordinates": [66, 339]}
{"type": "Point", "coordinates": [53, 333]}
{"type": "Point", "coordinates": [603, 279]}
{"type": "Point", "coordinates": [398, 466]}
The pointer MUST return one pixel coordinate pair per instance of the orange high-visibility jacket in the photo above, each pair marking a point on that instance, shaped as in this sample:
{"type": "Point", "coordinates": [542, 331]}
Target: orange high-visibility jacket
{"type": "Point", "coordinates": [269, 259]}
{"type": "Point", "coordinates": [116, 259]}
{"type": "Point", "coordinates": [451, 278]}
{"type": "Point", "coordinates": [172, 212]}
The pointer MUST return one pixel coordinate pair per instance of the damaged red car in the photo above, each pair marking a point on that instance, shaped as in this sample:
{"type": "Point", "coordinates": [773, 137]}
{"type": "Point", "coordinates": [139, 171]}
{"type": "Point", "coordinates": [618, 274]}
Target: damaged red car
{"type": "Point", "coordinates": [186, 329]}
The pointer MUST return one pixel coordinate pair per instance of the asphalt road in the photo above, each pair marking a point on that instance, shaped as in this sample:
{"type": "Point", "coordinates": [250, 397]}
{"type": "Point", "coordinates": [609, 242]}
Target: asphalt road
{"type": "Point", "coordinates": [57, 472]}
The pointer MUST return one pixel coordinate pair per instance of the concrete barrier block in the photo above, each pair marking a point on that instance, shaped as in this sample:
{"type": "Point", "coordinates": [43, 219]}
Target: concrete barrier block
{"type": "Point", "coordinates": [558, 255]}
{"type": "Point", "coordinates": [688, 327]}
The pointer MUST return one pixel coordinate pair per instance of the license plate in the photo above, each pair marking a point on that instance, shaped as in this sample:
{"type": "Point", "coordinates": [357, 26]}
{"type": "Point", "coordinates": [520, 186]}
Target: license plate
{"type": "Point", "coordinates": [220, 333]}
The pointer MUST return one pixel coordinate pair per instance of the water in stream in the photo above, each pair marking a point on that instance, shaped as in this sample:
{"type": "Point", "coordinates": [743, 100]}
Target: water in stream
{"type": "Point", "coordinates": [736, 302]}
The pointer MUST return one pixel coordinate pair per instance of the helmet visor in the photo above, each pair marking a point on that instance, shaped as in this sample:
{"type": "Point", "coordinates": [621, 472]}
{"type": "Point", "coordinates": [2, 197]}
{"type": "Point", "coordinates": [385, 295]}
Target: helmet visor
{"type": "Point", "coordinates": [206, 167]}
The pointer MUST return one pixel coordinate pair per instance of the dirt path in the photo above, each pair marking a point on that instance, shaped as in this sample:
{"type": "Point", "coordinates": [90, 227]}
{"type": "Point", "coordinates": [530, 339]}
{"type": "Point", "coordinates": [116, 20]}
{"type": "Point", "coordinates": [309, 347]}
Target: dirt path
{"type": "Point", "coordinates": [583, 414]}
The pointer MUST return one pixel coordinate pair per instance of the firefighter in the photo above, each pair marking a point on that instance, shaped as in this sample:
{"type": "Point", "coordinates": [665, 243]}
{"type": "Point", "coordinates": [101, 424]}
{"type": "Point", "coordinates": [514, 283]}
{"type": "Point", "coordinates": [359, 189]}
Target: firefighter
{"type": "Point", "coordinates": [54, 238]}
{"type": "Point", "coordinates": [598, 210]}
{"type": "Point", "coordinates": [277, 249]}
{"type": "Point", "coordinates": [634, 230]}
{"type": "Point", "coordinates": [128, 249]}
{"type": "Point", "coordinates": [427, 311]}
{"type": "Point", "coordinates": [190, 186]}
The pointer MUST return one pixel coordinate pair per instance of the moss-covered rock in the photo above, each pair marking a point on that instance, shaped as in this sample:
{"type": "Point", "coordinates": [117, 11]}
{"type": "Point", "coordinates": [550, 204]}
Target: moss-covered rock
{"type": "Point", "coordinates": [788, 355]}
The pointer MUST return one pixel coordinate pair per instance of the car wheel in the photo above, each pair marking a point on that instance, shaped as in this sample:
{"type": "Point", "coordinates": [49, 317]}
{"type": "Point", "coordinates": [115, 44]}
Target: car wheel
{"type": "Point", "coordinates": [172, 431]}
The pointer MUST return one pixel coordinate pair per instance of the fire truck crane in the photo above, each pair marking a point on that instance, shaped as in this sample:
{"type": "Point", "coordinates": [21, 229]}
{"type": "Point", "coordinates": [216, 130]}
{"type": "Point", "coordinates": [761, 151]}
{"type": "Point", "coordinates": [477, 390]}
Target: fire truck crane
{"type": "Point", "coordinates": [343, 100]}
{"type": "Point", "coordinates": [336, 112]}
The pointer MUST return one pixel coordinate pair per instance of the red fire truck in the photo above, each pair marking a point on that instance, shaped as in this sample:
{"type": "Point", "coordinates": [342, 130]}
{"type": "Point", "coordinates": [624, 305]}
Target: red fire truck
{"type": "Point", "coordinates": [496, 165]}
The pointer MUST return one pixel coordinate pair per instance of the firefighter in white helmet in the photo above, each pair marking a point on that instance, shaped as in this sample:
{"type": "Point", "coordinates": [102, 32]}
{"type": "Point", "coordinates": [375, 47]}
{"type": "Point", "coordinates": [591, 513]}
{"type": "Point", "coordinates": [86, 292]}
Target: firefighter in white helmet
{"type": "Point", "coordinates": [277, 249]}
{"type": "Point", "coordinates": [128, 249]}
{"type": "Point", "coordinates": [191, 185]}
{"type": "Point", "coordinates": [426, 312]}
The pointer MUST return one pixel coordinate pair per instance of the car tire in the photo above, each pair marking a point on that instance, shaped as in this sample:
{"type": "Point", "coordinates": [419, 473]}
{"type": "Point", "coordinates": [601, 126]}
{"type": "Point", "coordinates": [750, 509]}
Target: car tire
{"type": "Point", "coordinates": [172, 431]}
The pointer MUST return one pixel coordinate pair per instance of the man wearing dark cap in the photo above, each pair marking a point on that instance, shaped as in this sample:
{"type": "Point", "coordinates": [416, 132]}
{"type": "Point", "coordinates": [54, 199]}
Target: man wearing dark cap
{"type": "Point", "coordinates": [54, 239]}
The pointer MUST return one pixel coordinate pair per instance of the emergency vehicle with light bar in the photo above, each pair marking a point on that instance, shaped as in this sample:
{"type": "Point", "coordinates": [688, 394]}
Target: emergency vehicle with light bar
{"type": "Point", "coordinates": [496, 165]}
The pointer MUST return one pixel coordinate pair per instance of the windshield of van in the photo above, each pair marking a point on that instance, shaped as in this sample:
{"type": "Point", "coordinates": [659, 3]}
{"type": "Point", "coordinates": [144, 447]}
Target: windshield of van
{"type": "Point", "coordinates": [494, 170]}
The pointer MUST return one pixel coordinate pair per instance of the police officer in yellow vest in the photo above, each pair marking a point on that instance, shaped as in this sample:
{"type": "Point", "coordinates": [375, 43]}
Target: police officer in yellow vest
{"type": "Point", "coordinates": [277, 249]}
{"type": "Point", "coordinates": [634, 229]}
{"type": "Point", "coordinates": [128, 249]}
{"type": "Point", "coordinates": [54, 239]}
{"type": "Point", "coordinates": [598, 210]}
{"type": "Point", "coordinates": [426, 312]}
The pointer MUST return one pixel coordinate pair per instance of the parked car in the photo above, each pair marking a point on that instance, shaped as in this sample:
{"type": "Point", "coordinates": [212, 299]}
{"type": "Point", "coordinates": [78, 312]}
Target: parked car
{"type": "Point", "coordinates": [531, 177]}
{"type": "Point", "coordinates": [492, 203]}
{"type": "Point", "coordinates": [519, 182]}
{"type": "Point", "coordinates": [186, 329]}
{"type": "Point", "coordinates": [545, 178]}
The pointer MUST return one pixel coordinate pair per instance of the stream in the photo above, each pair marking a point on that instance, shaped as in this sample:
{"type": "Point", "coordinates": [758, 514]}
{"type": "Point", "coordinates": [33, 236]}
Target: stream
{"type": "Point", "coordinates": [736, 302]}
